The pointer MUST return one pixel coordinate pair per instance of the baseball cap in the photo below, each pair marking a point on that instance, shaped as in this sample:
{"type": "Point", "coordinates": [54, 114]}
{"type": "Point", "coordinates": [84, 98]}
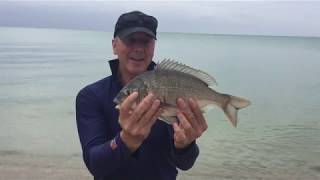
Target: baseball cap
{"type": "Point", "coordinates": [135, 21]}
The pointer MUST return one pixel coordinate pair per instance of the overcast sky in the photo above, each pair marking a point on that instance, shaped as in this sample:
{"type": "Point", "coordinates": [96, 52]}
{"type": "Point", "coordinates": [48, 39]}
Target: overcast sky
{"type": "Point", "coordinates": [216, 17]}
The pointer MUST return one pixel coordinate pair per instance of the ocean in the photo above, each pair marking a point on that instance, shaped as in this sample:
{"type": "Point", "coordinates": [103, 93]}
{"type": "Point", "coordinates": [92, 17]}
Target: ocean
{"type": "Point", "coordinates": [278, 136]}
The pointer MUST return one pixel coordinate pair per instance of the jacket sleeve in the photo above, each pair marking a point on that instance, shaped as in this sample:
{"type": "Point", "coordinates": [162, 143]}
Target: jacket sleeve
{"type": "Point", "coordinates": [102, 153]}
{"type": "Point", "coordinates": [183, 158]}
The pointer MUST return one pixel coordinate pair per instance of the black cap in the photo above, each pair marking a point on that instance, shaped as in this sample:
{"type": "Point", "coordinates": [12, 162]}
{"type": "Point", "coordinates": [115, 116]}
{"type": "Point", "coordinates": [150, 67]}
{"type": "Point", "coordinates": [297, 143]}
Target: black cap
{"type": "Point", "coordinates": [135, 21]}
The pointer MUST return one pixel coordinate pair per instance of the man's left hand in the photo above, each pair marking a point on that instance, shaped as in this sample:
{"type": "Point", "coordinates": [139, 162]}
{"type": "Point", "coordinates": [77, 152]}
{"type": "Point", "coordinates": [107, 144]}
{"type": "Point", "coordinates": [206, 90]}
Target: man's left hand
{"type": "Point", "coordinates": [191, 123]}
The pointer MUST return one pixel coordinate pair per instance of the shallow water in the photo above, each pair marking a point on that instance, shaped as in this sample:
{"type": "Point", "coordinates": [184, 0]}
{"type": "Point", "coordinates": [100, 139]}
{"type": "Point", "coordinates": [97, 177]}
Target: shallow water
{"type": "Point", "coordinates": [278, 136]}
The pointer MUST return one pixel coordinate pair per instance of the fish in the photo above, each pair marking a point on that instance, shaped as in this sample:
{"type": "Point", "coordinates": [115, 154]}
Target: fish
{"type": "Point", "coordinates": [171, 80]}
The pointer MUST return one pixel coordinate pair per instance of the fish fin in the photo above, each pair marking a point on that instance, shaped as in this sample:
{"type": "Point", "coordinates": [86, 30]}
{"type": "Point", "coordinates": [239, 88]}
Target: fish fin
{"type": "Point", "coordinates": [206, 108]}
{"type": "Point", "coordinates": [168, 64]}
{"type": "Point", "coordinates": [231, 109]}
{"type": "Point", "coordinates": [169, 119]}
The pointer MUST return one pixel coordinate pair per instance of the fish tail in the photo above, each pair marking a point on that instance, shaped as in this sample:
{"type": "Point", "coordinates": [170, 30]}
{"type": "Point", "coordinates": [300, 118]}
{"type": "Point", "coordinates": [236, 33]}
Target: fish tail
{"type": "Point", "coordinates": [232, 107]}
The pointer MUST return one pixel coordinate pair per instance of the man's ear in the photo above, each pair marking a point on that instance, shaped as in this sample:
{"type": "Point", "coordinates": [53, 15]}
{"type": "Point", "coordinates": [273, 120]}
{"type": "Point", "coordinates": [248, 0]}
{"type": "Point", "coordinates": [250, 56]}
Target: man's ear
{"type": "Point", "coordinates": [114, 46]}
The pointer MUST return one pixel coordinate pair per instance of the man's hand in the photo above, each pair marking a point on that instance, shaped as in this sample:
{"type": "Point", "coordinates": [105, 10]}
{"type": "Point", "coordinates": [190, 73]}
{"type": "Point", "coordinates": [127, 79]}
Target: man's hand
{"type": "Point", "coordinates": [191, 123]}
{"type": "Point", "coordinates": [137, 123]}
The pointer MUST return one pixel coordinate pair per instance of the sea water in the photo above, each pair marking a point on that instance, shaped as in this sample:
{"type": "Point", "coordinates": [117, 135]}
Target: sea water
{"type": "Point", "coordinates": [278, 136]}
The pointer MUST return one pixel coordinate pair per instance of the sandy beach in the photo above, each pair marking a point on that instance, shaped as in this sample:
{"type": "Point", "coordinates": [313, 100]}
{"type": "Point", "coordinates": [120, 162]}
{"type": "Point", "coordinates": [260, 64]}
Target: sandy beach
{"type": "Point", "coordinates": [31, 167]}
{"type": "Point", "coordinates": [15, 166]}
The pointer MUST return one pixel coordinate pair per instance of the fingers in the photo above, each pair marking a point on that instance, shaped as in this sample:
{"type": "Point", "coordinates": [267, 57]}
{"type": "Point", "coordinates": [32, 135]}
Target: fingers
{"type": "Point", "coordinates": [191, 123]}
{"type": "Point", "coordinates": [151, 113]}
{"type": "Point", "coordinates": [186, 110]}
{"type": "Point", "coordinates": [153, 119]}
{"type": "Point", "coordinates": [190, 118]}
{"type": "Point", "coordinates": [179, 136]}
{"type": "Point", "coordinates": [189, 130]}
{"type": "Point", "coordinates": [142, 107]}
{"type": "Point", "coordinates": [136, 126]}
{"type": "Point", "coordinates": [128, 103]}
{"type": "Point", "coordinates": [198, 114]}
{"type": "Point", "coordinates": [144, 115]}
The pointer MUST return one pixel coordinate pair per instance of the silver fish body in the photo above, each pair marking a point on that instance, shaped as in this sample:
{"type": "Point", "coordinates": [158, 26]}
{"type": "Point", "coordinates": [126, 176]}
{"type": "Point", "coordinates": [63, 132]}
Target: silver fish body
{"type": "Point", "coordinates": [171, 80]}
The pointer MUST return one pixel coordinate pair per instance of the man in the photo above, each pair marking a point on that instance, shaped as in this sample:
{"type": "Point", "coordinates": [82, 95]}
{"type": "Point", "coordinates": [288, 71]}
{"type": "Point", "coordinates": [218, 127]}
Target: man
{"type": "Point", "coordinates": [131, 143]}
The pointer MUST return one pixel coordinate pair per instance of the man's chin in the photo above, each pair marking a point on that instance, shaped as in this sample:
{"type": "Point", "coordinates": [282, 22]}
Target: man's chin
{"type": "Point", "coordinates": [137, 65]}
{"type": "Point", "coordinates": [136, 70]}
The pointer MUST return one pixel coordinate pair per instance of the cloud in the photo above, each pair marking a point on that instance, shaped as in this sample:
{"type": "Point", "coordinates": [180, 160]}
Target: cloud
{"type": "Point", "coordinates": [266, 18]}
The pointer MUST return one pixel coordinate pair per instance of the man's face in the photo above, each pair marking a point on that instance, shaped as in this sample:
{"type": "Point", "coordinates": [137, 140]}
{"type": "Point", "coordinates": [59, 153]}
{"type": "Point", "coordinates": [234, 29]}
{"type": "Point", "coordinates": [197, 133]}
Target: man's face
{"type": "Point", "coordinates": [135, 53]}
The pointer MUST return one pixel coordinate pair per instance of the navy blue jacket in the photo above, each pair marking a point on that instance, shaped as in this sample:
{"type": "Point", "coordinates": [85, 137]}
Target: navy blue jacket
{"type": "Point", "coordinates": [104, 153]}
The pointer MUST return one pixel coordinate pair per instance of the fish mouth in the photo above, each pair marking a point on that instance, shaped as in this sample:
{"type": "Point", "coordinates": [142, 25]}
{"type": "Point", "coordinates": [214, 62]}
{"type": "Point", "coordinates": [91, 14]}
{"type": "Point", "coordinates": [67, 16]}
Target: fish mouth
{"type": "Point", "coordinates": [116, 100]}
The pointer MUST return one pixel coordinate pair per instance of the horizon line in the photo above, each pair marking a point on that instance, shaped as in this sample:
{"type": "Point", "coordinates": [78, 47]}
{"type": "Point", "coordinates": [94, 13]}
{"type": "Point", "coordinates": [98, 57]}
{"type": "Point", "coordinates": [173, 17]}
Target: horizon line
{"type": "Point", "coordinates": [171, 32]}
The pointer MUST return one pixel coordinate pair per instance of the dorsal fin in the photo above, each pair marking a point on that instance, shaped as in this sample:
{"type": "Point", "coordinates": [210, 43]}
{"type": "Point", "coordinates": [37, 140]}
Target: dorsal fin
{"type": "Point", "coordinates": [168, 64]}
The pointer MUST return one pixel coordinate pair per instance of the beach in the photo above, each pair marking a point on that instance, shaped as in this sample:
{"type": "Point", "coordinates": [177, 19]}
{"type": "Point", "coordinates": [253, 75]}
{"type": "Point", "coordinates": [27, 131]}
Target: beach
{"type": "Point", "coordinates": [26, 167]}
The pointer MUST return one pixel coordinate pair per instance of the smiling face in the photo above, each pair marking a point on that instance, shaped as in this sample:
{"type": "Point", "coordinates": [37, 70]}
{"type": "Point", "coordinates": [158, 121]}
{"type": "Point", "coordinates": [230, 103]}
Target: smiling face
{"type": "Point", "coordinates": [135, 53]}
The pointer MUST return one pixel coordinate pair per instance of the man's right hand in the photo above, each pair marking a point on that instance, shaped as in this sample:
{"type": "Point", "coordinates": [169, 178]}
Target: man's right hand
{"type": "Point", "coordinates": [136, 123]}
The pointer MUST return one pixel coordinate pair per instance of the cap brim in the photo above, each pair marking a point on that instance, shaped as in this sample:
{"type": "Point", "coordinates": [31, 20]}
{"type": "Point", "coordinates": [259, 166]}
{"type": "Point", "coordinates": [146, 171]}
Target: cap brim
{"type": "Point", "coordinates": [129, 31]}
